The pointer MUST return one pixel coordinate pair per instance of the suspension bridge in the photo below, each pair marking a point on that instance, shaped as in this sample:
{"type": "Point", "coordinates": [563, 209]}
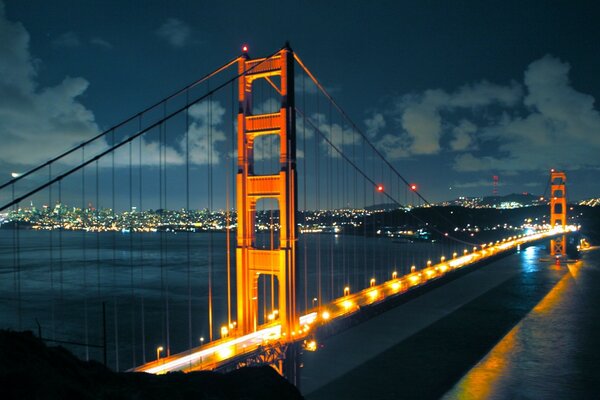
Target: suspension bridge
{"type": "Point", "coordinates": [229, 224]}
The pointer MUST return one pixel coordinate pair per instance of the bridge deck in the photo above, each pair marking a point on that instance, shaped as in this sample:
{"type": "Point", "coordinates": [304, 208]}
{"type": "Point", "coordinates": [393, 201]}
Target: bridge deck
{"type": "Point", "coordinates": [220, 352]}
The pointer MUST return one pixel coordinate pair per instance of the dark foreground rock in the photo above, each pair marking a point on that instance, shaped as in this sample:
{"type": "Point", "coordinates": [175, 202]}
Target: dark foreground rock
{"type": "Point", "coordinates": [31, 370]}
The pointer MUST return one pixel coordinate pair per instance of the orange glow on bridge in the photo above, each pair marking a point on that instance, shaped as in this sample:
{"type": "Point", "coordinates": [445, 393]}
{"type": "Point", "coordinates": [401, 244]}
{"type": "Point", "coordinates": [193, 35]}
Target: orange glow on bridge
{"type": "Point", "coordinates": [219, 352]}
{"type": "Point", "coordinates": [283, 328]}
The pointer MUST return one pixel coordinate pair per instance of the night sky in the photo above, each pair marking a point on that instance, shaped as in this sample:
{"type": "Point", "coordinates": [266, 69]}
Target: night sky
{"type": "Point", "coordinates": [451, 92]}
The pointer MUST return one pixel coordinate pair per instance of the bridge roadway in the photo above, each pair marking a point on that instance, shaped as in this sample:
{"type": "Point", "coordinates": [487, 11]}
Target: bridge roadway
{"type": "Point", "coordinates": [223, 351]}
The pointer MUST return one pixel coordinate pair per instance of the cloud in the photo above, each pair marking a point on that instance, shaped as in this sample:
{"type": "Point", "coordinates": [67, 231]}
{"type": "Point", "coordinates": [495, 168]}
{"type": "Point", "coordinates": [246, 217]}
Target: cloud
{"type": "Point", "coordinates": [374, 124]}
{"type": "Point", "coordinates": [463, 132]}
{"type": "Point", "coordinates": [418, 120]}
{"type": "Point", "coordinates": [485, 93]}
{"type": "Point", "coordinates": [101, 43]}
{"type": "Point", "coordinates": [422, 121]}
{"type": "Point", "coordinates": [533, 125]}
{"type": "Point", "coordinates": [176, 32]}
{"type": "Point", "coordinates": [421, 115]}
{"type": "Point", "coordinates": [205, 132]}
{"type": "Point", "coordinates": [153, 153]}
{"type": "Point", "coordinates": [303, 84]}
{"type": "Point", "coordinates": [394, 147]}
{"type": "Point", "coordinates": [267, 148]}
{"type": "Point", "coordinates": [333, 134]}
{"type": "Point", "coordinates": [204, 135]}
{"type": "Point", "coordinates": [558, 127]}
{"type": "Point", "coordinates": [469, 163]}
{"type": "Point", "coordinates": [270, 105]}
{"type": "Point", "coordinates": [36, 122]}
{"type": "Point", "coordinates": [67, 39]}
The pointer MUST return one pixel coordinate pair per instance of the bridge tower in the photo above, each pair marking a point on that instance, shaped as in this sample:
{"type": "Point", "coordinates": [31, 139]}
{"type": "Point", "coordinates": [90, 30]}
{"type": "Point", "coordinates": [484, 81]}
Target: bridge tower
{"type": "Point", "coordinates": [558, 211]}
{"type": "Point", "coordinates": [250, 261]}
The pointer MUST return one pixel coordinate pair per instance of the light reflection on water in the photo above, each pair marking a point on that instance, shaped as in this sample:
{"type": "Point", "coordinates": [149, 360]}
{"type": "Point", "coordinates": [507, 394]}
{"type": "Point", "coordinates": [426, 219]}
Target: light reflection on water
{"type": "Point", "coordinates": [538, 358]}
{"type": "Point", "coordinates": [530, 258]}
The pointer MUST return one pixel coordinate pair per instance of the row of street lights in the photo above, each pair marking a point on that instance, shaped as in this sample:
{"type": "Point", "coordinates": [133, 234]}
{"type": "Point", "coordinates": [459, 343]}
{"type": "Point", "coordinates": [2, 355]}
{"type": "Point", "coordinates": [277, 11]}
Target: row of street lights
{"type": "Point", "coordinates": [160, 349]}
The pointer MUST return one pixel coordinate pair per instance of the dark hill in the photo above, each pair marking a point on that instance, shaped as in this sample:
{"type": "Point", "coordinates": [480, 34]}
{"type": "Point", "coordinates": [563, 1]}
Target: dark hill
{"type": "Point", "coordinates": [31, 370]}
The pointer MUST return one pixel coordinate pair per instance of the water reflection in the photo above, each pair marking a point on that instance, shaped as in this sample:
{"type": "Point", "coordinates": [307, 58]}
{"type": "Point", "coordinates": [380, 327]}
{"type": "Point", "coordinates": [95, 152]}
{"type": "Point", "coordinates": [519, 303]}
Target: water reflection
{"type": "Point", "coordinates": [482, 380]}
{"type": "Point", "coordinates": [530, 258]}
{"type": "Point", "coordinates": [534, 359]}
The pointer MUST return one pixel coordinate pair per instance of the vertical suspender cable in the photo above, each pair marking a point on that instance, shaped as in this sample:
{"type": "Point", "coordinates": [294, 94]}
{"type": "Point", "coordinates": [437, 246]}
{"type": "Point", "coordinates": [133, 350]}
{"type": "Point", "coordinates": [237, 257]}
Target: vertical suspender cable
{"type": "Point", "coordinates": [355, 207]}
{"type": "Point", "coordinates": [305, 209]}
{"type": "Point", "coordinates": [161, 229]}
{"type": "Point", "coordinates": [16, 259]}
{"type": "Point", "coordinates": [229, 170]}
{"type": "Point", "coordinates": [60, 242]}
{"type": "Point", "coordinates": [272, 203]}
{"type": "Point", "coordinates": [141, 241]}
{"type": "Point", "coordinates": [374, 253]}
{"type": "Point", "coordinates": [342, 205]}
{"type": "Point", "coordinates": [96, 215]}
{"type": "Point", "coordinates": [328, 204]}
{"type": "Point", "coordinates": [51, 248]}
{"type": "Point", "coordinates": [318, 211]}
{"type": "Point", "coordinates": [19, 301]}
{"type": "Point", "coordinates": [209, 200]}
{"type": "Point", "coordinates": [188, 217]}
{"type": "Point", "coordinates": [97, 222]}
{"type": "Point", "coordinates": [60, 252]}
{"type": "Point", "coordinates": [114, 256]}
{"type": "Point", "coordinates": [84, 261]}
{"type": "Point", "coordinates": [365, 219]}
{"type": "Point", "coordinates": [131, 283]}
{"type": "Point", "coordinates": [166, 237]}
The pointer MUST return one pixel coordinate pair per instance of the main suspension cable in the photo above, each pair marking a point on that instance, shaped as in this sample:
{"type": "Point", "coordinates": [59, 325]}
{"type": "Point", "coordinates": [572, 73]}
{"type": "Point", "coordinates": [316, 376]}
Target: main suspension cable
{"type": "Point", "coordinates": [365, 138]}
{"type": "Point", "coordinates": [113, 146]}
{"type": "Point", "coordinates": [122, 123]}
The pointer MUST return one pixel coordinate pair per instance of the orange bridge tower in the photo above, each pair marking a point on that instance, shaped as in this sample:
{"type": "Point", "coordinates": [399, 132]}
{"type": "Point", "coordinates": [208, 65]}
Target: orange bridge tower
{"type": "Point", "coordinates": [251, 263]}
{"type": "Point", "coordinates": [558, 211]}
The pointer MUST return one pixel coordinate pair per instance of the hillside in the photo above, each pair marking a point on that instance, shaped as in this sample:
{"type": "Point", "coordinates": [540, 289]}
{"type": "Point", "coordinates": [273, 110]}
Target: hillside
{"type": "Point", "coordinates": [31, 370]}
